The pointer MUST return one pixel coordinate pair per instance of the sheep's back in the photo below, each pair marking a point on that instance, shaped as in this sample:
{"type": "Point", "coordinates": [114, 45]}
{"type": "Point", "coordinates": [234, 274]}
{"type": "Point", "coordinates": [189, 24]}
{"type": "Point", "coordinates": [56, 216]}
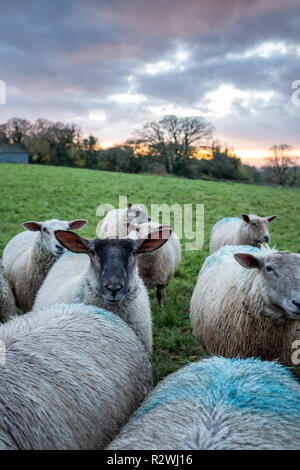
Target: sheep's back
{"type": "Point", "coordinates": [221, 282]}
{"type": "Point", "coordinates": [7, 301]}
{"type": "Point", "coordinates": [218, 403]}
{"type": "Point", "coordinates": [62, 283]}
{"type": "Point", "coordinates": [224, 232]}
{"type": "Point", "coordinates": [72, 377]}
{"type": "Point", "coordinates": [16, 252]}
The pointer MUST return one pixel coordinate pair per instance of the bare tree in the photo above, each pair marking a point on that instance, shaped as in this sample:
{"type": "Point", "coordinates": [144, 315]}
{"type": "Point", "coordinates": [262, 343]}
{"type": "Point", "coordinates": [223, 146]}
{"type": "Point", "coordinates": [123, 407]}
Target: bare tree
{"type": "Point", "coordinates": [174, 138]}
{"type": "Point", "coordinates": [283, 166]}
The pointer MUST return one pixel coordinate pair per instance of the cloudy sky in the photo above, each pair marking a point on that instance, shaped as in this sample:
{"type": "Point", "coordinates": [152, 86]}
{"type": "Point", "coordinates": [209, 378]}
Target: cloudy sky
{"type": "Point", "coordinates": [112, 65]}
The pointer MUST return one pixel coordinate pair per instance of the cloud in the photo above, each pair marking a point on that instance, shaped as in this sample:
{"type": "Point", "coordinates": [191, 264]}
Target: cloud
{"type": "Point", "coordinates": [111, 65]}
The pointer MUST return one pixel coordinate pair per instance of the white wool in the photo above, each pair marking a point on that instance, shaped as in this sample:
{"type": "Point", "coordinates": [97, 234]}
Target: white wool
{"type": "Point", "coordinates": [73, 376]}
{"type": "Point", "coordinates": [7, 301]}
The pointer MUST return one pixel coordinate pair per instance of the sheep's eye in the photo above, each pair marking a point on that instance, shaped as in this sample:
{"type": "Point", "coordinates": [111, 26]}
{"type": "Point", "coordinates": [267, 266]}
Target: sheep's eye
{"type": "Point", "coordinates": [45, 230]}
{"type": "Point", "coordinates": [269, 269]}
{"type": "Point", "coordinates": [138, 229]}
{"type": "Point", "coordinates": [137, 213]}
{"type": "Point", "coordinates": [254, 224]}
{"type": "Point", "coordinates": [92, 252]}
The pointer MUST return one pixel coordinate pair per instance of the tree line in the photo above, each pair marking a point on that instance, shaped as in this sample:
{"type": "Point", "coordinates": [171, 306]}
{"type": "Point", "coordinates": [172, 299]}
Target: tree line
{"type": "Point", "coordinates": [182, 146]}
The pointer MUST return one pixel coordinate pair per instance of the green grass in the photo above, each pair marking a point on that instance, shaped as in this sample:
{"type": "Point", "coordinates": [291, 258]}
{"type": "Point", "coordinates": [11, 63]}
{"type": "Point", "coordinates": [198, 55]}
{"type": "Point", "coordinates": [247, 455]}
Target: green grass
{"type": "Point", "coordinates": [32, 192]}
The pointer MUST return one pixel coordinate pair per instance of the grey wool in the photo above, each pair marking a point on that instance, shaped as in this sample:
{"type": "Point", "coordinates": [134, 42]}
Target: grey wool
{"type": "Point", "coordinates": [7, 301]}
{"type": "Point", "coordinates": [71, 378]}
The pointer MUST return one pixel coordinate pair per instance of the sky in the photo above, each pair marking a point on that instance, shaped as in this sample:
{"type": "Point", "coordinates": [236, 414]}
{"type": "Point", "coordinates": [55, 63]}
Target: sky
{"type": "Point", "coordinates": [112, 65]}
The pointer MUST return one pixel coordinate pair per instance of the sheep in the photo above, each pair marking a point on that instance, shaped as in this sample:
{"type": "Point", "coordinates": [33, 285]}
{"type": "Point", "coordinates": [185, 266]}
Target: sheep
{"type": "Point", "coordinates": [28, 257]}
{"type": "Point", "coordinates": [247, 303]}
{"type": "Point", "coordinates": [250, 230]}
{"type": "Point", "coordinates": [107, 277]}
{"type": "Point", "coordinates": [215, 404]}
{"type": "Point", "coordinates": [114, 223]}
{"type": "Point", "coordinates": [72, 376]}
{"type": "Point", "coordinates": [156, 268]}
{"type": "Point", "coordinates": [7, 301]}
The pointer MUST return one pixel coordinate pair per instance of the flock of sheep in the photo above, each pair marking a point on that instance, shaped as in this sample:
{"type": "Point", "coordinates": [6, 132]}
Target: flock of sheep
{"type": "Point", "coordinates": [75, 369]}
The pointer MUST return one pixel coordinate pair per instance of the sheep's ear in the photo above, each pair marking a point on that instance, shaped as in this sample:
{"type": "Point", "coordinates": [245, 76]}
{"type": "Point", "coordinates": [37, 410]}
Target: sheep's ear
{"type": "Point", "coordinates": [72, 241]}
{"type": "Point", "coordinates": [33, 226]}
{"type": "Point", "coordinates": [246, 218]}
{"type": "Point", "coordinates": [77, 224]}
{"type": "Point", "coordinates": [271, 218]}
{"type": "Point", "coordinates": [155, 239]}
{"type": "Point", "coordinates": [248, 261]}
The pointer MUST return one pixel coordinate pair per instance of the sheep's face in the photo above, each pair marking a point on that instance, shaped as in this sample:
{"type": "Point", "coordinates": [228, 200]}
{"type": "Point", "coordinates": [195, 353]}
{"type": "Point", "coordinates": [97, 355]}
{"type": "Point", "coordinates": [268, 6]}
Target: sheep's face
{"type": "Point", "coordinates": [281, 272]}
{"type": "Point", "coordinates": [257, 228]}
{"type": "Point", "coordinates": [137, 215]}
{"type": "Point", "coordinates": [49, 243]}
{"type": "Point", "coordinates": [281, 276]}
{"type": "Point", "coordinates": [113, 260]}
{"type": "Point", "coordinates": [114, 267]}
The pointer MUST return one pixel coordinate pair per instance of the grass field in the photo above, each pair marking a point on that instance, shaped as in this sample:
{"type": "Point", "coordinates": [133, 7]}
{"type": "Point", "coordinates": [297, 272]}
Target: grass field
{"type": "Point", "coordinates": [32, 192]}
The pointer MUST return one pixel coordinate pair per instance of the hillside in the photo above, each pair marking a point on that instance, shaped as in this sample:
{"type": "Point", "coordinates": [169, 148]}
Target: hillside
{"type": "Point", "coordinates": [32, 192]}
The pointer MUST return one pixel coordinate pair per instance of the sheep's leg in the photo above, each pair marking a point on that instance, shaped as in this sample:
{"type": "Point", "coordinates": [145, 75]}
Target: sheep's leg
{"type": "Point", "coordinates": [160, 293]}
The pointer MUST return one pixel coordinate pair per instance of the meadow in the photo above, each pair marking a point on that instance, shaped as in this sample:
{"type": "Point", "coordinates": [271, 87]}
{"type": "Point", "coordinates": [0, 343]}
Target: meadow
{"type": "Point", "coordinates": [33, 192]}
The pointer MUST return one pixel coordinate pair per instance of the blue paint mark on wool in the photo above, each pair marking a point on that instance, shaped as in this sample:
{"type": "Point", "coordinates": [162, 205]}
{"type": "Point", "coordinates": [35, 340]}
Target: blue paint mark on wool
{"type": "Point", "coordinates": [251, 384]}
{"type": "Point", "coordinates": [225, 221]}
{"type": "Point", "coordinates": [67, 254]}
{"type": "Point", "coordinates": [94, 310]}
{"type": "Point", "coordinates": [106, 315]}
{"type": "Point", "coordinates": [218, 256]}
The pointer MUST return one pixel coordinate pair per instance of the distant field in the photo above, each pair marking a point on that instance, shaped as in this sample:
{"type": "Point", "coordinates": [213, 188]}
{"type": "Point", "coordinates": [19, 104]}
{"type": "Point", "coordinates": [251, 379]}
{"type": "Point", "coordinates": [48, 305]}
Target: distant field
{"type": "Point", "coordinates": [32, 192]}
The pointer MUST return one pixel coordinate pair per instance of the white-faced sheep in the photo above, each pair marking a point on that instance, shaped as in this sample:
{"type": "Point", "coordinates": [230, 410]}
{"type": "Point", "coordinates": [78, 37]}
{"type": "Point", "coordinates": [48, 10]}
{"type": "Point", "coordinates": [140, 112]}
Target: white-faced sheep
{"type": "Point", "coordinates": [107, 277]}
{"type": "Point", "coordinates": [157, 268]}
{"type": "Point", "coordinates": [216, 404]}
{"type": "Point", "coordinates": [7, 300]}
{"type": "Point", "coordinates": [247, 303]}
{"type": "Point", "coordinates": [28, 257]}
{"type": "Point", "coordinates": [115, 222]}
{"type": "Point", "coordinates": [250, 230]}
{"type": "Point", "coordinates": [71, 376]}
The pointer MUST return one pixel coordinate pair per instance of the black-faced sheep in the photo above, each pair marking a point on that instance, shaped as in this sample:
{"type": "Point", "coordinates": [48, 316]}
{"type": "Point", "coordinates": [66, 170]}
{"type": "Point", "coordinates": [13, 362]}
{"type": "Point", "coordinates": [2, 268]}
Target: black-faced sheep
{"type": "Point", "coordinates": [103, 273]}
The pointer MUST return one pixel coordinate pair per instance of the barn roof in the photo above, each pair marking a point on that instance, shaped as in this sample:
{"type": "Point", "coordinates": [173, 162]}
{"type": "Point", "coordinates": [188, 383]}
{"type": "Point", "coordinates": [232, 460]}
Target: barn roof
{"type": "Point", "coordinates": [12, 148]}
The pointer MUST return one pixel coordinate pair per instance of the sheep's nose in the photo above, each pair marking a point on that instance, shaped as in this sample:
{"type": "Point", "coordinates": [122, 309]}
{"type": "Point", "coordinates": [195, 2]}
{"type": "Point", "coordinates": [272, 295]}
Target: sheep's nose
{"type": "Point", "coordinates": [149, 219]}
{"type": "Point", "coordinates": [114, 288]}
{"type": "Point", "coordinates": [297, 303]}
{"type": "Point", "coordinates": [266, 238]}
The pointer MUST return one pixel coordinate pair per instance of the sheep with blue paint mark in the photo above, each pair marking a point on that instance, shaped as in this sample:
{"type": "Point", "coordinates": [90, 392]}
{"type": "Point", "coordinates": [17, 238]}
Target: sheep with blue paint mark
{"type": "Point", "coordinates": [28, 257]}
{"type": "Point", "coordinates": [7, 301]}
{"type": "Point", "coordinates": [249, 230]}
{"type": "Point", "coordinates": [247, 303]}
{"type": "Point", "coordinates": [70, 378]}
{"type": "Point", "coordinates": [216, 404]}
